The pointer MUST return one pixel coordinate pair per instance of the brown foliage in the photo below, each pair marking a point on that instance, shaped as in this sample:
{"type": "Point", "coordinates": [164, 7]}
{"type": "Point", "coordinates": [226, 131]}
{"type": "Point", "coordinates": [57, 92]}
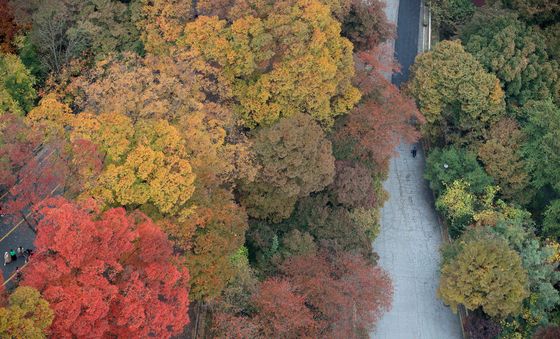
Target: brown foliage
{"type": "Point", "coordinates": [8, 27]}
{"type": "Point", "coordinates": [353, 185]}
{"type": "Point", "coordinates": [346, 295]}
{"type": "Point", "coordinates": [296, 160]}
{"type": "Point", "coordinates": [500, 154]}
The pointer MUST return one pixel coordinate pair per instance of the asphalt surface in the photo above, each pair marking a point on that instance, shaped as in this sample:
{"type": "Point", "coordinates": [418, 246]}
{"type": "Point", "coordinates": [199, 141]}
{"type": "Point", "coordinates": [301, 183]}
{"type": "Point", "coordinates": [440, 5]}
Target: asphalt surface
{"type": "Point", "coordinates": [408, 248]}
{"type": "Point", "coordinates": [410, 238]}
{"type": "Point", "coordinates": [15, 232]}
{"type": "Point", "coordinates": [406, 44]}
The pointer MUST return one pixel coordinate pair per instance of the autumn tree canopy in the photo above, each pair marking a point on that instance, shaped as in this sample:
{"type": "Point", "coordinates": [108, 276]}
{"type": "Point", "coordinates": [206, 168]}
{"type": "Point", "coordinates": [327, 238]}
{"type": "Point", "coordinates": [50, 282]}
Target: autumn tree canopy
{"type": "Point", "coordinates": [482, 271]}
{"type": "Point", "coordinates": [110, 273]}
{"type": "Point", "coordinates": [296, 160]}
{"type": "Point", "coordinates": [273, 75]}
{"type": "Point", "coordinates": [343, 297]}
{"type": "Point", "coordinates": [147, 163]}
{"type": "Point", "coordinates": [27, 315]}
{"type": "Point", "coordinates": [501, 156]}
{"type": "Point", "coordinates": [458, 98]}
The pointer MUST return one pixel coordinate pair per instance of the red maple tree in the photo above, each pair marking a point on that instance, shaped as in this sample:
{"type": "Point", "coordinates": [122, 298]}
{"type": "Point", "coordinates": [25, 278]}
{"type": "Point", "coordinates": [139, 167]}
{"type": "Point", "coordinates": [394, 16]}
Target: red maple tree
{"type": "Point", "coordinates": [346, 294]}
{"type": "Point", "coordinates": [18, 142]}
{"type": "Point", "coordinates": [385, 117]}
{"type": "Point", "coordinates": [109, 274]}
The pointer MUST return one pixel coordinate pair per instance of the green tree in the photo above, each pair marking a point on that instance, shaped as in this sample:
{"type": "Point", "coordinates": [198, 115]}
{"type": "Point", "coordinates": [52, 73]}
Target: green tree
{"type": "Point", "coordinates": [63, 29]}
{"type": "Point", "coordinates": [483, 272]}
{"type": "Point", "coordinates": [27, 315]}
{"type": "Point", "coordinates": [542, 148]}
{"type": "Point", "coordinates": [551, 221]}
{"type": "Point", "coordinates": [536, 11]}
{"type": "Point", "coordinates": [515, 53]}
{"type": "Point", "coordinates": [450, 15]}
{"type": "Point", "coordinates": [541, 270]}
{"type": "Point", "coordinates": [296, 160]}
{"type": "Point", "coordinates": [444, 166]}
{"type": "Point", "coordinates": [458, 98]}
{"type": "Point", "coordinates": [17, 94]}
{"type": "Point", "coordinates": [458, 206]}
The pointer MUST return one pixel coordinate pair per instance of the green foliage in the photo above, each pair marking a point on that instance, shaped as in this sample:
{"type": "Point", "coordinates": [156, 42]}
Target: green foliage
{"type": "Point", "coordinates": [484, 273]}
{"type": "Point", "coordinates": [516, 54]}
{"type": "Point", "coordinates": [541, 271]}
{"type": "Point", "coordinates": [461, 164]}
{"type": "Point", "coordinates": [457, 205]}
{"type": "Point", "coordinates": [17, 94]}
{"type": "Point", "coordinates": [29, 56]}
{"type": "Point", "coordinates": [542, 148]}
{"type": "Point", "coordinates": [458, 98]}
{"type": "Point", "coordinates": [449, 15]}
{"type": "Point", "coordinates": [551, 222]}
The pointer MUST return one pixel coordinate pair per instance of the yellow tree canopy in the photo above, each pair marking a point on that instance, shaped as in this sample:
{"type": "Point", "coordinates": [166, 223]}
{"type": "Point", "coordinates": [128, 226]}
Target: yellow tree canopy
{"type": "Point", "coordinates": [147, 163]}
{"type": "Point", "coordinates": [50, 116]}
{"type": "Point", "coordinates": [27, 315]}
{"type": "Point", "coordinates": [292, 60]}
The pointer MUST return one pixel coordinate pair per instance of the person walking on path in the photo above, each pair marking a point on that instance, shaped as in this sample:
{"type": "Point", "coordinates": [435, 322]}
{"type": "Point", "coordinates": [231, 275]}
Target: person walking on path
{"type": "Point", "coordinates": [413, 152]}
{"type": "Point", "coordinates": [20, 251]}
{"type": "Point", "coordinates": [27, 254]}
{"type": "Point", "coordinates": [13, 255]}
{"type": "Point", "coordinates": [7, 258]}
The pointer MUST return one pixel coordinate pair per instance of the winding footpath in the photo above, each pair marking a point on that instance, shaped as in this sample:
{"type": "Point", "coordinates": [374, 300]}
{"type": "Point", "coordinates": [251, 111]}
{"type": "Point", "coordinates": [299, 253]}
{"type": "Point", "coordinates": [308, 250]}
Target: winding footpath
{"type": "Point", "coordinates": [410, 238]}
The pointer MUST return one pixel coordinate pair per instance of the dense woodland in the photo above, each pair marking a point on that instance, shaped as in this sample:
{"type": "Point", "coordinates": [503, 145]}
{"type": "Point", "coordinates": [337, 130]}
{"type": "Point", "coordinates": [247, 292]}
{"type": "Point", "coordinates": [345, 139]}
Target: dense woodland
{"type": "Point", "coordinates": [197, 166]}
{"type": "Point", "coordinates": [490, 94]}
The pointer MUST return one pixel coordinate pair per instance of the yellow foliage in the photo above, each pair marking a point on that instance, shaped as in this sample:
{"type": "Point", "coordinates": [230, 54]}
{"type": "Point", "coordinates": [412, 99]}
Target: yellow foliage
{"type": "Point", "coordinates": [50, 116]}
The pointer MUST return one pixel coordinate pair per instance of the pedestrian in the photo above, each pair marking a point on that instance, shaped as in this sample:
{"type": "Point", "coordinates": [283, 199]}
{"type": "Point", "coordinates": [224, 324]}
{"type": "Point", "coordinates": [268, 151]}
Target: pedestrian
{"type": "Point", "coordinates": [7, 258]}
{"type": "Point", "coordinates": [27, 254]}
{"type": "Point", "coordinates": [17, 275]}
{"type": "Point", "coordinates": [20, 251]}
{"type": "Point", "coordinates": [13, 254]}
{"type": "Point", "coordinates": [413, 152]}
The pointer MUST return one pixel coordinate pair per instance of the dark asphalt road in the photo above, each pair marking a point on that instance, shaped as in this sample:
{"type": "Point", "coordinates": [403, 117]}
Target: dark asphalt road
{"type": "Point", "coordinates": [14, 231]}
{"type": "Point", "coordinates": [406, 44]}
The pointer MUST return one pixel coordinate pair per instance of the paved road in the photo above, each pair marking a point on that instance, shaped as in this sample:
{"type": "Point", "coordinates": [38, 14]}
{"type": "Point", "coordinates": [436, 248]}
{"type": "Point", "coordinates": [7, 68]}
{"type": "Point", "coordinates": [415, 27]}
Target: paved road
{"type": "Point", "coordinates": [406, 44]}
{"type": "Point", "coordinates": [408, 246]}
{"type": "Point", "coordinates": [410, 237]}
{"type": "Point", "coordinates": [14, 231]}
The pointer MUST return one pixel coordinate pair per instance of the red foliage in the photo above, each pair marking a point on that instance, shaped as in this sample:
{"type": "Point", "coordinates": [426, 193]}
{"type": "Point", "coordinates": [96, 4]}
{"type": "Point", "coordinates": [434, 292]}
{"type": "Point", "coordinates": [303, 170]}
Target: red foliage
{"type": "Point", "coordinates": [547, 332]}
{"type": "Point", "coordinates": [8, 27]}
{"type": "Point", "coordinates": [346, 295]}
{"type": "Point", "coordinates": [385, 117]}
{"type": "Point", "coordinates": [38, 179]}
{"type": "Point", "coordinates": [18, 142]}
{"type": "Point", "coordinates": [281, 312]}
{"type": "Point", "coordinates": [108, 274]}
